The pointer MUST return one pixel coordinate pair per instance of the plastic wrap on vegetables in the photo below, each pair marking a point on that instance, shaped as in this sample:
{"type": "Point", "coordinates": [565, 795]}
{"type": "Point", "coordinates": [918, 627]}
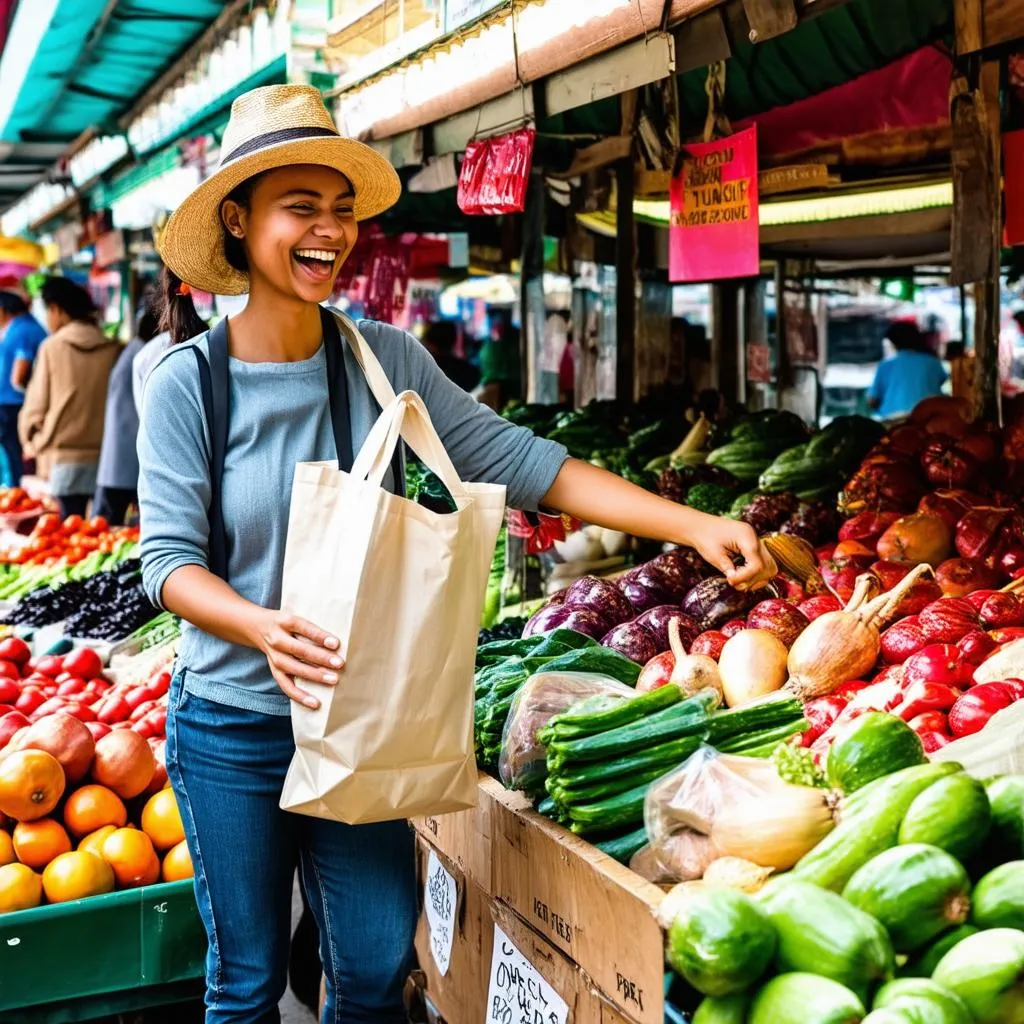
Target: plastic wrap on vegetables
{"type": "Point", "coordinates": [522, 763]}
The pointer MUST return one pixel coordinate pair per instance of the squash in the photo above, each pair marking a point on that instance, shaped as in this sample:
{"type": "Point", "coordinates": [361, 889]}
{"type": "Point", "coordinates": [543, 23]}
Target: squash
{"type": "Point", "coordinates": [923, 965]}
{"type": "Point", "coordinates": [872, 746]}
{"type": "Point", "coordinates": [720, 941]}
{"type": "Point", "coordinates": [910, 993]}
{"type": "Point", "coordinates": [999, 897]}
{"type": "Point", "coordinates": [821, 932]}
{"type": "Point", "coordinates": [800, 998]}
{"type": "Point", "coordinates": [954, 815]}
{"type": "Point", "coordinates": [987, 972]}
{"type": "Point", "coordinates": [915, 891]}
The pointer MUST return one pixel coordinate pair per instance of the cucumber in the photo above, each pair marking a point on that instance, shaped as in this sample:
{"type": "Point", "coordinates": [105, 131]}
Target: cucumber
{"type": "Point", "coordinates": [623, 848]}
{"type": "Point", "coordinates": [592, 773]}
{"type": "Point", "coordinates": [915, 891]}
{"type": "Point", "coordinates": [999, 898]}
{"type": "Point", "coordinates": [953, 815]}
{"type": "Point", "coordinates": [721, 941]}
{"type": "Point", "coordinates": [872, 746]}
{"type": "Point", "coordinates": [924, 964]}
{"type": "Point", "coordinates": [727, 1010]}
{"type": "Point", "coordinates": [619, 811]}
{"type": "Point", "coordinates": [871, 828]}
{"type": "Point", "coordinates": [803, 998]}
{"type": "Point", "coordinates": [939, 1004]}
{"type": "Point", "coordinates": [1006, 797]}
{"type": "Point", "coordinates": [572, 724]}
{"type": "Point", "coordinates": [820, 932]}
{"type": "Point", "coordinates": [986, 971]}
{"type": "Point", "coordinates": [568, 796]}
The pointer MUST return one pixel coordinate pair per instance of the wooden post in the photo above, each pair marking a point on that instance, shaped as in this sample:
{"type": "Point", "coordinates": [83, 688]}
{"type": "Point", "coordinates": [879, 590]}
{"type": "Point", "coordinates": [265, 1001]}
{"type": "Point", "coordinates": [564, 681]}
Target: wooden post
{"type": "Point", "coordinates": [727, 364]}
{"type": "Point", "coordinates": [625, 284]}
{"type": "Point", "coordinates": [538, 385]}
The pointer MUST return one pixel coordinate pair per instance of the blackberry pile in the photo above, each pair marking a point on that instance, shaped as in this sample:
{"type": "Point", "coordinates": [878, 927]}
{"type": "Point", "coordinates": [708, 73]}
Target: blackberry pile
{"type": "Point", "coordinates": [509, 629]}
{"type": "Point", "coordinates": [108, 606]}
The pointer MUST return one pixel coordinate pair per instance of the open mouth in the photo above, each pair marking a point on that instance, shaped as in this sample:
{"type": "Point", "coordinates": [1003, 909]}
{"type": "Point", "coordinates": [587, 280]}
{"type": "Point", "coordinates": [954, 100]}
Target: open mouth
{"type": "Point", "coordinates": [317, 263]}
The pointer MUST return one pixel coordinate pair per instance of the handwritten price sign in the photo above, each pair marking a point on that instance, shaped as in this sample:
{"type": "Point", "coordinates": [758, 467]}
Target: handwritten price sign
{"type": "Point", "coordinates": [517, 994]}
{"type": "Point", "coordinates": [439, 902]}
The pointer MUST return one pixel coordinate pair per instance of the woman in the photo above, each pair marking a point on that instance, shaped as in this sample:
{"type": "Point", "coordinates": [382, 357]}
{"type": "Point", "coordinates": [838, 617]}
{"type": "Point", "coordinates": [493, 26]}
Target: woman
{"type": "Point", "coordinates": [277, 219]}
{"type": "Point", "coordinates": [117, 478]}
{"type": "Point", "coordinates": [61, 422]}
{"type": "Point", "coordinates": [912, 375]}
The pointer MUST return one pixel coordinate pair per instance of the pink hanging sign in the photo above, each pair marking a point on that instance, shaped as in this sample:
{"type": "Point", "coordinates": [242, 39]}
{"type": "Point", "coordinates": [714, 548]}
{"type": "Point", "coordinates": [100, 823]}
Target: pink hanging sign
{"type": "Point", "coordinates": [713, 227]}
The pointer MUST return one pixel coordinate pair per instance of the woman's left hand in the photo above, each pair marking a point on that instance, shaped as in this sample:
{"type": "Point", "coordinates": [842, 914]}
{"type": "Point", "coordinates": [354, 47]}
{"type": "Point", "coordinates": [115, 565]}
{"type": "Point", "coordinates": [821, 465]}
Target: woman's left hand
{"type": "Point", "coordinates": [724, 542]}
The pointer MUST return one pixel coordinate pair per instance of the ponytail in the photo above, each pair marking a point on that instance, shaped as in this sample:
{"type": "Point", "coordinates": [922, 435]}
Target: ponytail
{"type": "Point", "coordinates": [178, 314]}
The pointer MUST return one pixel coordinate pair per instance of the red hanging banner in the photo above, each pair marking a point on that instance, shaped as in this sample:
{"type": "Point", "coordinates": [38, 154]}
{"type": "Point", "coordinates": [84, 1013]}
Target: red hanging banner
{"type": "Point", "coordinates": [713, 228]}
{"type": "Point", "coordinates": [1013, 186]}
{"type": "Point", "coordinates": [495, 172]}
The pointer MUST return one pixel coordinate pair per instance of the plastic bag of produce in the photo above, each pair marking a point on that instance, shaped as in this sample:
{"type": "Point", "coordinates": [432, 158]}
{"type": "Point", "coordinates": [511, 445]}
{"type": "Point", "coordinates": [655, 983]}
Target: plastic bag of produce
{"type": "Point", "coordinates": [743, 808]}
{"type": "Point", "coordinates": [998, 749]}
{"type": "Point", "coordinates": [523, 764]}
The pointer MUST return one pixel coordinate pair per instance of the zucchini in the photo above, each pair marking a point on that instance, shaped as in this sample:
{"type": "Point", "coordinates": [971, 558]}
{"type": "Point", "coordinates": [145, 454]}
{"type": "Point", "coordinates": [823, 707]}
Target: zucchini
{"type": "Point", "coordinates": [572, 724]}
{"type": "Point", "coordinates": [821, 932]}
{"type": "Point", "coordinates": [625, 846]}
{"type": "Point", "coordinates": [924, 964]}
{"type": "Point", "coordinates": [986, 971]}
{"type": "Point", "coordinates": [721, 941]}
{"type": "Point", "coordinates": [619, 811]}
{"type": "Point", "coordinates": [753, 718]}
{"type": "Point", "coordinates": [592, 775]}
{"type": "Point", "coordinates": [953, 815]}
{"type": "Point", "coordinates": [568, 796]}
{"type": "Point", "coordinates": [727, 1010]}
{"type": "Point", "coordinates": [803, 998]}
{"type": "Point", "coordinates": [872, 746]}
{"type": "Point", "coordinates": [871, 828]}
{"type": "Point", "coordinates": [999, 898]}
{"type": "Point", "coordinates": [915, 891]}
{"type": "Point", "coordinates": [926, 996]}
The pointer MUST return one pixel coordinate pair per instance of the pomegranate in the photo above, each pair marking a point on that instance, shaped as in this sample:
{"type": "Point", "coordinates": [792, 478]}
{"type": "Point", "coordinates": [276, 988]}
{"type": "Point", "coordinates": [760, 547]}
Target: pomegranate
{"type": "Point", "coordinates": [950, 505]}
{"type": "Point", "coordinates": [840, 576]}
{"type": "Point", "coordinates": [948, 619]}
{"type": "Point", "coordinates": [922, 594]}
{"type": "Point", "coordinates": [854, 549]}
{"type": "Point", "coordinates": [1001, 611]}
{"type": "Point", "coordinates": [976, 646]}
{"type": "Point", "coordinates": [123, 763]}
{"type": "Point", "coordinates": [66, 738]}
{"type": "Point", "coordinates": [959, 577]}
{"type": "Point", "coordinates": [908, 438]}
{"type": "Point", "coordinates": [780, 617]}
{"type": "Point", "coordinates": [821, 604]}
{"type": "Point", "coordinates": [902, 640]}
{"type": "Point", "coordinates": [710, 643]}
{"type": "Point", "coordinates": [984, 533]}
{"type": "Point", "coordinates": [889, 573]}
{"type": "Point", "coordinates": [947, 465]}
{"type": "Point", "coordinates": [916, 538]}
{"type": "Point", "coordinates": [867, 527]}
{"type": "Point", "coordinates": [979, 597]}
{"type": "Point", "coordinates": [732, 627]}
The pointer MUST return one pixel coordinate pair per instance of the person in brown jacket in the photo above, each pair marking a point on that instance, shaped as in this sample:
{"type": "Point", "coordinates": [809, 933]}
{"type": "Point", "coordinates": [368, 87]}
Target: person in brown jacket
{"type": "Point", "coordinates": [61, 421]}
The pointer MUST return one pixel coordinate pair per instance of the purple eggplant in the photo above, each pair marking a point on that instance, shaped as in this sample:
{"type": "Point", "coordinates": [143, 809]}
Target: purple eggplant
{"type": "Point", "coordinates": [656, 620]}
{"type": "Point", "coordinates": [641, 595]}
{"type": "Point", "coordinates": [686, 565]}
{"type": "Point", "coordinates": [713, 602]}
{"type": "Point", "coordinates": [603, 597]}
{"type": "Point", "coordinates": [564, 616]}
{"type": "Point", "coordinates": [636, 642]}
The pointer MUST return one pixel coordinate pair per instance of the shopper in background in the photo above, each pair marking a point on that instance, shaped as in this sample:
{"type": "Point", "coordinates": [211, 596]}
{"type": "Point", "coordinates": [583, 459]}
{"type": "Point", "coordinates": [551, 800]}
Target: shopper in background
{"type": "Point", "coordinates": [910, 376]}
{"type": "Point", "coordinates": [117, 479]}
{"type": "Point", "coordinates": [148, 357]}
{"type": "Point", "coordinates": [500, 370]}
{"type": "Point", "coordinates": [61, 422]}
{"type": "Point", "coordinates": [22, 336]}
{"type": "Point", "coordinates": [439, 340]}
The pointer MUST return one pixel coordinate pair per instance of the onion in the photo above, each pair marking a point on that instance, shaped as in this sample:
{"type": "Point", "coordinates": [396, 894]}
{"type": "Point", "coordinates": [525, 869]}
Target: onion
{"type": "Point", "coordinates": [691, 672]}
{"type": "Point", "coordinates": [842, 646]}
{"type": "Point", "coordinates": [753, 664]}
{"type": "Point", "coordinates": [736, 873]}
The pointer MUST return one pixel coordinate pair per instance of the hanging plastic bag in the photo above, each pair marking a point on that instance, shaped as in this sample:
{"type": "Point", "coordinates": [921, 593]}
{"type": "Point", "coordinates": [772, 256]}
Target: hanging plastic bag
{"type": "Point", "coordinates": [998, 749]}
{"type": "Point", "coordinates": [495, 172]}
{"type": "Point", "coordinates": [523, 760]}
{"type": "Point", "coordinates": [682, 857]}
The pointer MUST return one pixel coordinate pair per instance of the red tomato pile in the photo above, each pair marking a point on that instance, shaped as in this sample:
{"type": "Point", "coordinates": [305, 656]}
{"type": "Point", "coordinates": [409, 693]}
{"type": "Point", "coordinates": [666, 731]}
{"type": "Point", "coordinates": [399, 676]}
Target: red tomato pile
{"type": "Point", "coordinates": [53, 542]}
{"type": "Point", "coordinates": [74, 685]}
{"type": "Point", "coordinates": [15, 501]}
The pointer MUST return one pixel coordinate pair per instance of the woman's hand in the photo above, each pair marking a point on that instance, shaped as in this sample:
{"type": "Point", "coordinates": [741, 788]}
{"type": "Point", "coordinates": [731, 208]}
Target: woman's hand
{"type": "Point", "coordinates": [722, 541]}
{"type": "Point", "coordinates": [296, 649]}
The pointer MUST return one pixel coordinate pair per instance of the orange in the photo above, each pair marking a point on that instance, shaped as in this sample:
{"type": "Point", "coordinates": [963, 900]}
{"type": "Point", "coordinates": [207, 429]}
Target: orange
{"type": "Point", "coordinates": [93, 842]}
{"type": "Point", "coordinates": [177, 864]}
{"type": "Point", "coordinates": [161, 820]}
{"type": "Point", "coordinates": [37, 842]}
{"type": "Point", "coordinates": [20, 888]}
{"type": "Point", "coordinates": [92, 807]}
{"type": "Point", "coordinates": [7, 854]}
{"type": "Point", "coordinates": [31, 783]}
{"type": "Point", "coordinates": [130, 853]}
{"type": "Point", "coordinates": [76, 875]}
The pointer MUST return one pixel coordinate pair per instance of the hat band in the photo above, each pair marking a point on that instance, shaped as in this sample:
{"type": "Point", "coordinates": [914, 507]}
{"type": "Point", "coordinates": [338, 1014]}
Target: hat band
{"type": "Point", "coordinates": [254, 145]}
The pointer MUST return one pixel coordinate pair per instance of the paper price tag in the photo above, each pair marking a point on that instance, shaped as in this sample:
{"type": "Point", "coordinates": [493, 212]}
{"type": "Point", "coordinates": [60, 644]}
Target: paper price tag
{"type": "Point", "coordinates": [439, 901]}
{"type": "Point", "coordinates": [517, 994]}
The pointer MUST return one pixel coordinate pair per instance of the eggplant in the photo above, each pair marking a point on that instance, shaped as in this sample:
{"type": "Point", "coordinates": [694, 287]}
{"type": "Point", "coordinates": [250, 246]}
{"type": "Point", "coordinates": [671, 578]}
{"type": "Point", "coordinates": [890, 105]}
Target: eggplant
{"type": "Point", "coordinates": [714, 602]}
{"type": "Point", "coordinates": [657, 619]}
{"type": "Point", "coordinates": [565, 616]}
{"type": "Point", "coordinates": [633, 640]}
{"type": "Point", "coordinates": [602, 597]}
{"type": "Point", "coordinates": [642, 596]}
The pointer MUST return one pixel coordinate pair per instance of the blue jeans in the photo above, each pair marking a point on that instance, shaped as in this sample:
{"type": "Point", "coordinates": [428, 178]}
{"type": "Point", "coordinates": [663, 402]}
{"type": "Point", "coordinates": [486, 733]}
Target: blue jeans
{"type": "Point", "coordinates": [10, 443]}
{"type": "Point", "coordinates": [227, 767]}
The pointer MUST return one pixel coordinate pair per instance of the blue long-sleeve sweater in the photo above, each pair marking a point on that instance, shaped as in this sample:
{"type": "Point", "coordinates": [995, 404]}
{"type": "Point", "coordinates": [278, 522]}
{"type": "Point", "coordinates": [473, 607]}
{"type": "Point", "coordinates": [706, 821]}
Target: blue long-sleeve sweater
{"type": "Point", "coordinates": [280, 416]}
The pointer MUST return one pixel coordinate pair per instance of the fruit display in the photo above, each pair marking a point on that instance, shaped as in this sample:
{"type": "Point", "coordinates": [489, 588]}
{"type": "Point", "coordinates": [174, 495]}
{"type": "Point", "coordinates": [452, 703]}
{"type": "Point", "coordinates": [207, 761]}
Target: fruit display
{"type": "Point", "coordinates": [56, 542]}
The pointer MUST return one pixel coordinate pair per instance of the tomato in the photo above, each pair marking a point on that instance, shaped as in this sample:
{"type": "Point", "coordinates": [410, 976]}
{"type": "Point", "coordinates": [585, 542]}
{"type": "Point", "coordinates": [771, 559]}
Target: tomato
{"type": "Point", "coordinates": [48, 707]}
{"type": "Point", "coordinates": [14, 649]}
{"type": "Point", "coordinates": [8, 670]}
{"type": "Point", "coordinates": [142, 710]}
{"type": "Point", "coordinates": [47, 525]}
{"type": "Point", "coordinates": [161, 683]}
{"type": "Point", "coordinates": [80, 710]}
{"type": "Point", "coordinates": [50, 665]}
{"type": "Point", "coordinates": [93, 690]}
{"type": "Point", "coordinates": [113, 709]}
{"type": "Point", "coordinates": [136, 696]}
{"type": "Point", "coordinates": [99, 524]}
{"type": "Point", "coordinates": [71, 686]}
{"type": "Point", "coordinates": [98, 729]}
{"type": "Point", "coordinates": [10, 691]}
{"type": "Point", "coordinates": [83, 662]}
{"type": "Point", "coordinates": [122, 725]}
{"type": "Point", "coordinates": [9, 725]}
{"type": "Point", "coordinates": [72, 524]}
{"type": "Point", "coordinates": [30, 700]}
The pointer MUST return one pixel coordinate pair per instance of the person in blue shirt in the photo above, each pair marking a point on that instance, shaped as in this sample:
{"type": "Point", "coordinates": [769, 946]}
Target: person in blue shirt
{"type": "Point", "coordinates": [912, 375]}
{"type": "Point", "coordinates": [22, 336]}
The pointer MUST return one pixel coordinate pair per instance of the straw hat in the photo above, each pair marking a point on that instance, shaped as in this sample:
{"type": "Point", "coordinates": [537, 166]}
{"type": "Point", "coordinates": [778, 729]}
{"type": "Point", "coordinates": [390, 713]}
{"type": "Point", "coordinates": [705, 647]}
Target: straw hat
{"type": "Point", "coordinates": [275, 126]}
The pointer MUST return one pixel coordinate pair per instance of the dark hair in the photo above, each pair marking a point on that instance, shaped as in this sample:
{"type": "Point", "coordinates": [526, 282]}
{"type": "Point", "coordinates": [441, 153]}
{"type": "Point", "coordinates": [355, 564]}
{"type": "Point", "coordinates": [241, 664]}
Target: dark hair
{"type": "Point", "coordinates": [906, 337]}
{"type": "Point", "coordinates": [72, 298]}
{"type": "Point", "coordinates": [178, 314]}
{"type": "Point", "coordinates": [12, 303]}
{"type": "Point", "coordinates": [147, 323]}
{"type": "Point", "coordinates": [442, 334]}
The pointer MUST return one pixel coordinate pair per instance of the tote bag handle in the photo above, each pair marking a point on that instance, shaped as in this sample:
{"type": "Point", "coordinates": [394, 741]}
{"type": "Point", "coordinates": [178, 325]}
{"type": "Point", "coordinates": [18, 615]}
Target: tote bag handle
{"type": "Point", "coordinates": [374, 373]}
{"type": "Point", "coordinates": [407, 418]}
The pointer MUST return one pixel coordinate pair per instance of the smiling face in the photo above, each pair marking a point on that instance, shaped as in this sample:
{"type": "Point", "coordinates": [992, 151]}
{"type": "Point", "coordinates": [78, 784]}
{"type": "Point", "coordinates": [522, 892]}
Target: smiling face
{"type": "Point", "coordinates": [297, 229]}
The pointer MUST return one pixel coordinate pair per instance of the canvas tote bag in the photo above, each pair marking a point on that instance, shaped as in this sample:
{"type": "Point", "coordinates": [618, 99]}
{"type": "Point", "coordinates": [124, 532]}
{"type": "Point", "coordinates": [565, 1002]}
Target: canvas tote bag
{"type": "Point", "coordinates": [403, 589]}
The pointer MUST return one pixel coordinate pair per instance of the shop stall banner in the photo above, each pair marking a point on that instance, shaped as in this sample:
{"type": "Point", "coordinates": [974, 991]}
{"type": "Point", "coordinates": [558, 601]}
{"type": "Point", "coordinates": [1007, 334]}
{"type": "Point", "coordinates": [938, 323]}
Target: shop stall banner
{"type": "Point", "coordinates": [403, 589]}
{"type": "Point", "coordinates": [495, 173]}
{"type": "Point", "coordinates": [1013, 186]}
{"type": "Point", "coordinates": [713, 228]}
